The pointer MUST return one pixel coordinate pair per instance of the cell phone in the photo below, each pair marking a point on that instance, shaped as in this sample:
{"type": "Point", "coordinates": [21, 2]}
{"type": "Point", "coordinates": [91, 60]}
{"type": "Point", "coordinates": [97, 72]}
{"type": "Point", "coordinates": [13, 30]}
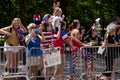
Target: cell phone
{"type": "Point", "coordinates": [36, 30]}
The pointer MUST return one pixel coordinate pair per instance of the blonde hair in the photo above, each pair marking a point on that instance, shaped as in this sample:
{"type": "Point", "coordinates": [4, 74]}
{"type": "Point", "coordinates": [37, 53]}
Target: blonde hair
{"type": "Point", "coordinates": [111, 29]}
{"type": "Point", "coordinates": [31, 25]}
{"type": "Point", "coordinates": [57, 9]}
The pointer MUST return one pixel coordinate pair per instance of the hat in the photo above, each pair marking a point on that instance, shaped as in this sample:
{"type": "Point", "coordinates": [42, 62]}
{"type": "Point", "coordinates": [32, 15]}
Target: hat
{"type": "Point", "coordinates": [36, 18]}
{"type": "Point", "coordinates": [31, 25]}
{"type": "Point", "coordinates": [46, 17]}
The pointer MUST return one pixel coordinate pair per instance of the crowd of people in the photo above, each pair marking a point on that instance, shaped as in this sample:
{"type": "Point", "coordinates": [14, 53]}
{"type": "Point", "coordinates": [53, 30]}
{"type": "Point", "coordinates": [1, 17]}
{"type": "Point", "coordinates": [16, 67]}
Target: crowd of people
{"type": "Point", "coordinates": [51, 32]}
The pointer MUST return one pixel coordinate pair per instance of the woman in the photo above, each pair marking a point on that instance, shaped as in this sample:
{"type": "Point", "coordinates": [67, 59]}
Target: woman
{"type": "Point", "coordinates": [111, 53]}
{"type": "Point", "coordinates": [91, 39]}
{"type": "Point", "coordinates": [76, 43]}
{"type": "Point", "coordinates": [34, 53]}
{"type": "Point", "coordinates": [59, 42]}
{"type": "Point", "coordinates": [46, 44]}
{"type": "Point", "coordinates": [15, 35]}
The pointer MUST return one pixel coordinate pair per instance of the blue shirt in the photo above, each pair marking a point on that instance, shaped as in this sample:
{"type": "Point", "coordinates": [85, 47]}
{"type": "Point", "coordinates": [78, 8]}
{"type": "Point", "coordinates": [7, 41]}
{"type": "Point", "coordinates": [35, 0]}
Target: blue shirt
{"type": "Point", "coordinates": [33, 48]}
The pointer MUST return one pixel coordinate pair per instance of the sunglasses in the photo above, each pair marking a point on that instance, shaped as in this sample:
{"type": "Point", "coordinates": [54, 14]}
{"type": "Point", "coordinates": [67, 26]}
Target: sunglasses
{"type": "Point", "coordinates": [33, 27]}
{"type": "Point", "coordinates": [95, 30]}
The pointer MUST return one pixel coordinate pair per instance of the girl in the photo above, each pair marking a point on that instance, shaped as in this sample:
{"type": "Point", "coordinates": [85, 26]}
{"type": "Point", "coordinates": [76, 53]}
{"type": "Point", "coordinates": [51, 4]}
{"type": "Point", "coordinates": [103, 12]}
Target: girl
{"type": "Point", "coordinates": [14, 34]}
{"type": "Point", "coordinates": [93, 40]}
{"type": "Point", "coordinates": [49, 37]}
{"type": "Point", "coordinates": [76, 43]}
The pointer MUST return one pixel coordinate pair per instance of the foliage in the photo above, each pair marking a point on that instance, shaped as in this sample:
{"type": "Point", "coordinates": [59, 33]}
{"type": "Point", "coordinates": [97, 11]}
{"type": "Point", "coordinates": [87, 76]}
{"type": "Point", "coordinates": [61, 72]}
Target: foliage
{"type": "Point", "coordinates": [84, 10]}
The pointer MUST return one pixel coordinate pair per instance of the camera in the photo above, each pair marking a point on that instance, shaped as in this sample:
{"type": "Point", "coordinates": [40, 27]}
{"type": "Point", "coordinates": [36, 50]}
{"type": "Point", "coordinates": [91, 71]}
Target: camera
{"type": "Point", "coordinates": [36, 30]}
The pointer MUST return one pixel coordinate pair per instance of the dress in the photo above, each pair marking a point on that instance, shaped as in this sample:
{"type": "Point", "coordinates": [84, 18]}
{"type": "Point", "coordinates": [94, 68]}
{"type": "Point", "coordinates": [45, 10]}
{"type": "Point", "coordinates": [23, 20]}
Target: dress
{"type": "Point", "coordinates": [34, 52]}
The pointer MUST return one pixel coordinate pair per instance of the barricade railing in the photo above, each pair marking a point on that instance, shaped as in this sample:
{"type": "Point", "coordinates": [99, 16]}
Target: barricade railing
{"type": "Point", "coordinates": [74, 61]}
{"type": "Point", "coordinates": [100, 60]}
{"type": "Point", "coordinates": [88, 60]}
{"type": "Point", "coordinates": [12, 62]}
{"type": "Point", "coordinates": [42, 62]}
{"type": "Point", "coordinates": [52, 59]}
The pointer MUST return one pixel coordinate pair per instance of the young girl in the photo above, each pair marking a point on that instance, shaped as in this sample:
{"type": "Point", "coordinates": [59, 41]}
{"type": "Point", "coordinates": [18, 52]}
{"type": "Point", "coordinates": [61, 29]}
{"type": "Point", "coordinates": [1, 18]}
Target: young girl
{"type": "Point", "coordinates": [63, 37]}
{"type": "Point", "coordinates": [93, 40]}
{"type": "Point", "coordinates": [56, 19]}
{"type": "Point", "coordinates": [14, 34]}
{"type": "Point", "coordinates": [77, 43]}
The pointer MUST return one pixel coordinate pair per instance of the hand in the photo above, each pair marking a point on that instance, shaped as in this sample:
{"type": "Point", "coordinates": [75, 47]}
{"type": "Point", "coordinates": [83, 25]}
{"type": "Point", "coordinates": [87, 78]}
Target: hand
{"type": "Point", "coordinates": [8, 34]}
{"type": "Point", "coordinates": [63, 16]}
{"type": "Point", "coordinates": [19, 21]}
{"type": "Point", "coordinates": [73, 48]}
{"type": "Point", "coordinates": [32, 33]}
{"type": "Point", "coordinates": [90, 43]}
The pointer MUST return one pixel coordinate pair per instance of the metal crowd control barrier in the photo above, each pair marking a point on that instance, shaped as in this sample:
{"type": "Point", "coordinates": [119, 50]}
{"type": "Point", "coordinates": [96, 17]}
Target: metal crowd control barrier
{"type": "Point", "coordinates": [12, 62]}
{"type": "Point", "coordinates": [73, 65]}
{"type": "Point", "coordinates": [40, 64]}
{"type": "Point", "coordinates": [52, 60]}
{"type": "Point", "coordinates": [99, 60]}
{"type": "Point", "coordinates": [82, 63]}
{"type": "Point", "coordinates": [34, 62]}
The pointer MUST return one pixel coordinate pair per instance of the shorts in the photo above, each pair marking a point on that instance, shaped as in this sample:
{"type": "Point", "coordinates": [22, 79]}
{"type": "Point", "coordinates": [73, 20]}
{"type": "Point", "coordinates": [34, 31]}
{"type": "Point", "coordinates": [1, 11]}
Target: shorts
{"type": "Point", "coordinates": [33, 60]}
{"type": "Point", "coordinates": [8, 47]}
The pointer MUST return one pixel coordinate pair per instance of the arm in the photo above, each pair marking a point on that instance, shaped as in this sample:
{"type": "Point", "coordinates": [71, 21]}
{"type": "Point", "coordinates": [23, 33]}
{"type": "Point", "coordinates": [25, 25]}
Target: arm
{"type": "Point", "coordinates": [5, 31]}
{"type": "Point", "coordinates": [27, 39]}
{"type": "Point", "coordinates": [109, 44]}
{"type": "Point", "coordinates": [58, 33]}
{"type": "Point", "coordinates": [75, 35]}
{"type": "Point", "coordinates": [63, 16]}
{"type": "Point", "coordinates": [54, 24]}
{"type": "Point", "coordinates": [42, 38]}
{"type": "Point", "coordinates": [22, 26]}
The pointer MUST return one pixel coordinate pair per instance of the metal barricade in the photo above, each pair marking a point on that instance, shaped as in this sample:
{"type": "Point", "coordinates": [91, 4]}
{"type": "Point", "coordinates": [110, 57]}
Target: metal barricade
{"type": "Point", "coordinates": [34, 61]}
{"type": "Point", "coordinates": [40, 62]}
{"type": "Point", "coordinates": [12, 62]}
{"type": "Point", "coordinates": [52, 60]}
{"type": "Point", "coordinates": [74, 61]}
{"type": "Point", "coordinates": [105, 63]}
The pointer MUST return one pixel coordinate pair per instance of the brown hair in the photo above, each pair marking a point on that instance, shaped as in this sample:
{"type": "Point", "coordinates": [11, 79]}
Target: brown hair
{"type": "Point", "coordinates": [45, 25]}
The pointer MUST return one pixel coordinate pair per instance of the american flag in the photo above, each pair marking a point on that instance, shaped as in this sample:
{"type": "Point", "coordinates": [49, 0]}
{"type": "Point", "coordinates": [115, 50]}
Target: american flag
{"type": "Point", "coordinates": [89, 59]}
{"type": "Point", "coordinates": [88, 55]}
{"type": "Point", "coordinates": [74, 58]}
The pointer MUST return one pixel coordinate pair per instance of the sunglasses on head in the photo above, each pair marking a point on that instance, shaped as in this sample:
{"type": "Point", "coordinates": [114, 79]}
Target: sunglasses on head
{"type": "Point", "coordinates": [94, 30]}
{"type": "Point", "coordinates": [32, 27]}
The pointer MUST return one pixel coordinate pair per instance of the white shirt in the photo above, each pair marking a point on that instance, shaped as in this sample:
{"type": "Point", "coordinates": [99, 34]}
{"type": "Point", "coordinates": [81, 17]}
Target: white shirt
{"type": "Point", "coordinates": [57, 19]}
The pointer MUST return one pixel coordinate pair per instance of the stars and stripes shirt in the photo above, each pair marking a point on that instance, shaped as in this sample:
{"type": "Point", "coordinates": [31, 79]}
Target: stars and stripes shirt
{"type": "Point", "coordinates": [60, 42]}
{"type": "Point", "coordinates": [49, 38]}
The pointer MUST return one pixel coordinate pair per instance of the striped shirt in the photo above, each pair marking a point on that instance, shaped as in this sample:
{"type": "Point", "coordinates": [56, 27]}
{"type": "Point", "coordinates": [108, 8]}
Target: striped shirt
{"type": "Point", "coordinates": [49, 38]}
